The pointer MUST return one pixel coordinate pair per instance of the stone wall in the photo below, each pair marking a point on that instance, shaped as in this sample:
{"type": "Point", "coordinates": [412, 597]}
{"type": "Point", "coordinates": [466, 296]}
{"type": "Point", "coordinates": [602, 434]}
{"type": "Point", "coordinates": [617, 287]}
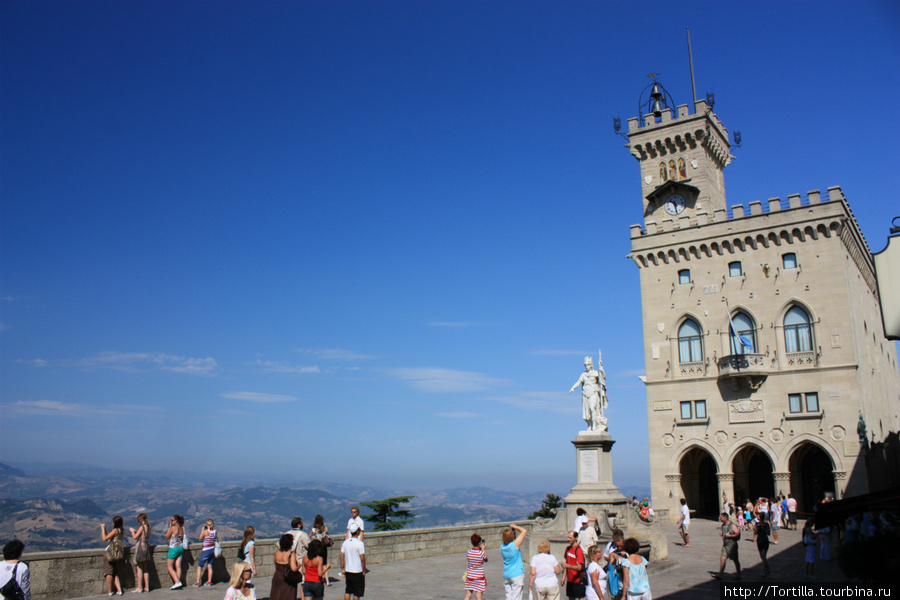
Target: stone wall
{"type": "Point", "coordinates": [77, 573]}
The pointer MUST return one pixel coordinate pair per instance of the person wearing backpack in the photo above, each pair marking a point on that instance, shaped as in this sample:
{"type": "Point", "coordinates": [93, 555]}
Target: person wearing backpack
{"type": "Point", "coordinates": [574, 566]}
{"type": "Point", "coordinates": [15, 580]}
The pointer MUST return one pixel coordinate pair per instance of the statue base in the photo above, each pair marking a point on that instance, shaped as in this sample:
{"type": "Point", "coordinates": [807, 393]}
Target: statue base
{"type": "Point", "coordinates": [596, 493]}
{"type": "Point", "coordinates": [593, 463]}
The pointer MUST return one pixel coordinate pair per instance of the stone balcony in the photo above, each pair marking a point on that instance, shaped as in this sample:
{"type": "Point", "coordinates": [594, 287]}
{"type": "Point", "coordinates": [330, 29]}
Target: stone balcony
{"type": "Point", "coordinates": [741, 369]}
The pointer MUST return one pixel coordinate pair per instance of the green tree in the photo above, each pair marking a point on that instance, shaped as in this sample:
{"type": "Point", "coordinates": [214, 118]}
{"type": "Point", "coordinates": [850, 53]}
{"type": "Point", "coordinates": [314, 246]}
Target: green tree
{"type": "Point", "coordinates": [548, 507]}
{"type": "Point", "coordinates": [386, 516]}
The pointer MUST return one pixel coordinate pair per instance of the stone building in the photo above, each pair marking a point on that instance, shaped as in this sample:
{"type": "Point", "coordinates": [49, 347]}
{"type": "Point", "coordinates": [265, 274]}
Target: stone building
{"type": "Point", "coordinates": [763, 342]}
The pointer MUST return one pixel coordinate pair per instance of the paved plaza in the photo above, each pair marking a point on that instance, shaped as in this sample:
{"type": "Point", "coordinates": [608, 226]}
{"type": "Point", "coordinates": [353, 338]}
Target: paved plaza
{"type": "Point", "coordinates": [684, 575]}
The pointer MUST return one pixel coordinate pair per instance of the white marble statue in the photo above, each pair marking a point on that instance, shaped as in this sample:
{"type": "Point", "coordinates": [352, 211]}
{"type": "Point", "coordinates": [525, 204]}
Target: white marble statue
{"type": "Point", "coordinates": [593, 394]}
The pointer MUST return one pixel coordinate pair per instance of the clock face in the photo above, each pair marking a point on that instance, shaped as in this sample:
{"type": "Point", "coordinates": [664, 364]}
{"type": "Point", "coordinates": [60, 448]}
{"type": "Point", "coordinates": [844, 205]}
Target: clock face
{"type": "Point", "coordinates": [675, 204]}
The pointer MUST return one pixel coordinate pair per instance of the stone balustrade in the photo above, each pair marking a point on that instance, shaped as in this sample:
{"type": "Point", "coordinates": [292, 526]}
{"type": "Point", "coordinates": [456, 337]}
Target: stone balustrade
{"type": "Point", "coordinates": [78, 573]}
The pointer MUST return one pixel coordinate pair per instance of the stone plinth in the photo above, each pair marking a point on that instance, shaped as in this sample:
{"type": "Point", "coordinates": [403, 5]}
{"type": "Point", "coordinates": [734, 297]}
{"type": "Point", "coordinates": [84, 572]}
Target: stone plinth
{"type": "Point", "coordinates": [593, 464]}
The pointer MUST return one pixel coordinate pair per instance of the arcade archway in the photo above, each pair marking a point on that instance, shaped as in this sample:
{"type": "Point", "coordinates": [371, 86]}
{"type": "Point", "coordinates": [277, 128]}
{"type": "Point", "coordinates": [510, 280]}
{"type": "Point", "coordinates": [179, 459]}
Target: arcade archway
{"type": "Point", "coordinates": [753, 474]}
{"type": "Point", "coordinates": [812, 475]}
{"type": "Point", "coordinates": [699, 484]}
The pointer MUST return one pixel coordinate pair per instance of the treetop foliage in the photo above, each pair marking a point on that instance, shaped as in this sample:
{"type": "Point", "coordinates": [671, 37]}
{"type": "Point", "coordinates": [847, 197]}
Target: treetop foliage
{"type": "Point", "coordinates": [385, 514]}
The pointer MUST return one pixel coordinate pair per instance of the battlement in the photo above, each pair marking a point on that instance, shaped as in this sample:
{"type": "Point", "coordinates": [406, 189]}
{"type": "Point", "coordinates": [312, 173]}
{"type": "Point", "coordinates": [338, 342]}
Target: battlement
{"type": "Point", "coordinates": [739, 211]}
{"type": "Point", "coordinates": [682, 114]}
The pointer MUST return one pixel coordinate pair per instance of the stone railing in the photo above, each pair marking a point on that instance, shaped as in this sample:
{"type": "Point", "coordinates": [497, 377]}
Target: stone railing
{"type": "Point", "coordinates": [78, 573]}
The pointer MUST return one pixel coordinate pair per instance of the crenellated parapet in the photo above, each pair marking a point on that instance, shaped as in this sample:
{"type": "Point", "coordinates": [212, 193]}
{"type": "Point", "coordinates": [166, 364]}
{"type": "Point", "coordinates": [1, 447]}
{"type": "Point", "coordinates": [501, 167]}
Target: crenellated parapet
{"type": "Point", "coordinates": [773, 223]}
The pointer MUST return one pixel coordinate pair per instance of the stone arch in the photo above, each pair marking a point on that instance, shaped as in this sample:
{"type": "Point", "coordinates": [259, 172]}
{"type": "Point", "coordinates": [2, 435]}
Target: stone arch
{"type": "Point", "coordinates": [682, 252]}
{"type": "Point", "coordinates": [704, 249]}
{"type": "Point", "coordinates": [786, 236]}
{"type": "Point", "coordinates": [835, 227]}
{"type": "Point", "coordinates": [810, 232]}
{"type": "Point", "coordinates": [762, 241]}
{"type": "Point", "coordinates": [738, 244]}
{"type": "Point", "coordinates": [661, 256]}
{"type": "Point", "coordinates": [715, 247]}
{"type": "Point", "coordinates": [699, 482]}
{"type": "Point", "coordinates": [812, 466]}
{"type": "Point", "coordinates": [823, 230]}
{"type": "Point", "coordinates": [750, 242]}
{"type": "Point", "coordinates": [726, 245]}
{"type": "Point", "coordinates": [797, 234]}
{"type": "Point", "coordinates": [673, 255]}
{"type": "Point", "coordinates": [693, 251]}
{"type": "Point", "coordinates": [753, 465]}
{"type": "Point", "coordinates": [773, 237]}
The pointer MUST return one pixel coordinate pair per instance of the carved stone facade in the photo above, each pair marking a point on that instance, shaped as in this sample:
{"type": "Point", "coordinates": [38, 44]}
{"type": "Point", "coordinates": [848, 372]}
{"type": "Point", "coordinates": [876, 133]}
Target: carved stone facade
{"type": "Point", "coordinates": [762, 330]}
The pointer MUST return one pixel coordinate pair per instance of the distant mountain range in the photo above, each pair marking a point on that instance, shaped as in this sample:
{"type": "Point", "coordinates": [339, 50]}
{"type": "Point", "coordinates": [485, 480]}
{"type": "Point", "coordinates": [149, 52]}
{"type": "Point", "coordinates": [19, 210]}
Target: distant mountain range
{"type": "Point", "coordinates": [61, 506]}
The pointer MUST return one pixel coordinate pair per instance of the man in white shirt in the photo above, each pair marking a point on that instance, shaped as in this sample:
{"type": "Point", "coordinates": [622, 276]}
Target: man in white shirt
{"type": "Point", "coordinates": [301, 540]}
{"type": "Point", "coordinates": [353, 563]}
{"type": "Point", "coordinates": [684, 524]}
{"type": "Point", "coordinates": [587, 537]}
{"type": "Point", "coordinates": [357, 520]}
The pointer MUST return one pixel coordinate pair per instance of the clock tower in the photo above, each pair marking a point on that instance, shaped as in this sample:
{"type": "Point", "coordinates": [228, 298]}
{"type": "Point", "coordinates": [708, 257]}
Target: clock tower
{"type": "Point", "coordinates": [682, 158]}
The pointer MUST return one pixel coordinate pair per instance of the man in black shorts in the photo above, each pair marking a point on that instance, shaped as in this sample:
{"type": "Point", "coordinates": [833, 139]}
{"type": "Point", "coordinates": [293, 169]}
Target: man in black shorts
{"type": "Point", "coordinates": [353, 564]}
{"type": "Point", "coordinates": [575, 576]}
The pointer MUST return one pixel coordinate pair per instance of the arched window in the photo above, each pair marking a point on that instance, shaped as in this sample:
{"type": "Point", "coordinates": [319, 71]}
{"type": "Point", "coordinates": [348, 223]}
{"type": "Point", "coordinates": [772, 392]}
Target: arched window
{"type": "Point", "coordinates": [672, 172]}
{"type": "Point", "coordinates": [742, 334]}
{"type": "Point", "coordinates": [682, 171]}
{"type": "Point", "coordinates": [690, 348]}
{"type": "Point", "coordinates": [797, 331]}
{"type": "Point", "coordinates": [663, 174]}
{"type": "Point", "coordinates": [735, 269]}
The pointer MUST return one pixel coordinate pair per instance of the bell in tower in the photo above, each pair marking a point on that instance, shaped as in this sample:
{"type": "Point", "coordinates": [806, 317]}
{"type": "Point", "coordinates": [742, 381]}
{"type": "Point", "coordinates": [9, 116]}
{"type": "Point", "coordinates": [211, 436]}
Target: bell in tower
{"type": "Point", "coordinates": [682, 156]}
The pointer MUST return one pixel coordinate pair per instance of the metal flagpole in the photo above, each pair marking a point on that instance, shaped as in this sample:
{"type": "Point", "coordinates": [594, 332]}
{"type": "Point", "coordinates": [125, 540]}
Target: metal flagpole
{"type": "Point", "coordinates": [691, 60]}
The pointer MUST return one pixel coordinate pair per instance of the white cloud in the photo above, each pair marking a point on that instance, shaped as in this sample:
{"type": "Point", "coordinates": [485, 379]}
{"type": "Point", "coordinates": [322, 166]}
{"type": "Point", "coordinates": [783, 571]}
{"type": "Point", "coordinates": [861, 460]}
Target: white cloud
{"type": "Point", "coordinates": [259, 397]}
{"type": "Point", "coordinates": [74, 409]}
{"type": "Point", "coordinates": [280, 367]}
{"type": "Point", "coordinates": [432, 380]}
{"type": "Point", "coordinates": [141, 361]}
{"type": "Point", "coordinates": [37, 362]}
{"type": "Point", "coordinates": [335, 354]}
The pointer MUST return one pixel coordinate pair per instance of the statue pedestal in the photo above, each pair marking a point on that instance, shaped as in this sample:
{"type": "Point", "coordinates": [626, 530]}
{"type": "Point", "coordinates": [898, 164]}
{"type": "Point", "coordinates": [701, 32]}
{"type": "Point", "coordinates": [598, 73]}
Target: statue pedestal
{"type": "Point", "coordinates": [593, 463]}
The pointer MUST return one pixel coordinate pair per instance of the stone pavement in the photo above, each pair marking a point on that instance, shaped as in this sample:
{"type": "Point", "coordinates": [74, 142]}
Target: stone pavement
{"type": "Point", "coordinates": [685, 575]}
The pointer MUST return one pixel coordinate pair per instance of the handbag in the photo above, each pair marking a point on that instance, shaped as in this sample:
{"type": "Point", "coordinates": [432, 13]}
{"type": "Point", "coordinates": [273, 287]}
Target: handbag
{"type": "Point", "coordinates": [185, 543]}
{"type": "Point", "coordinates": [115, 550]}
{"type": "Point", "coordinates": [11, 589]}
{"type": "Point", "coordinates": [292, 577]}
{"type": "Point", "coordinates": [218, 549]}
{"type": "Point", "coordinates": [327, 541]}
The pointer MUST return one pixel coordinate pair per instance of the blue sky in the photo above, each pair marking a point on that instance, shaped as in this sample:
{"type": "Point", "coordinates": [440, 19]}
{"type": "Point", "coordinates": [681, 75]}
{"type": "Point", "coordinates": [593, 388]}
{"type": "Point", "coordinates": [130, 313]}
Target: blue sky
{"type": "Point", "coordinates": [372, 242]}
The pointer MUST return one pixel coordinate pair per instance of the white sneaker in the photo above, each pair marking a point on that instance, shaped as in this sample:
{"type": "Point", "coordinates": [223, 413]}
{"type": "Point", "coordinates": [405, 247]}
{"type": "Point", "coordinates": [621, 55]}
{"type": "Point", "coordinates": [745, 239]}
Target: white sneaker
{"type": "Point", "coordinates": [176, 586]}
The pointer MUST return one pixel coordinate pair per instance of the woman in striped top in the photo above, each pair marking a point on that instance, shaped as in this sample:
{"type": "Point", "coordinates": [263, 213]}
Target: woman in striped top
{"type": "Point", "coordinates": [475, 557]}
{"type": "Point", "coordinates": [208, 554]}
